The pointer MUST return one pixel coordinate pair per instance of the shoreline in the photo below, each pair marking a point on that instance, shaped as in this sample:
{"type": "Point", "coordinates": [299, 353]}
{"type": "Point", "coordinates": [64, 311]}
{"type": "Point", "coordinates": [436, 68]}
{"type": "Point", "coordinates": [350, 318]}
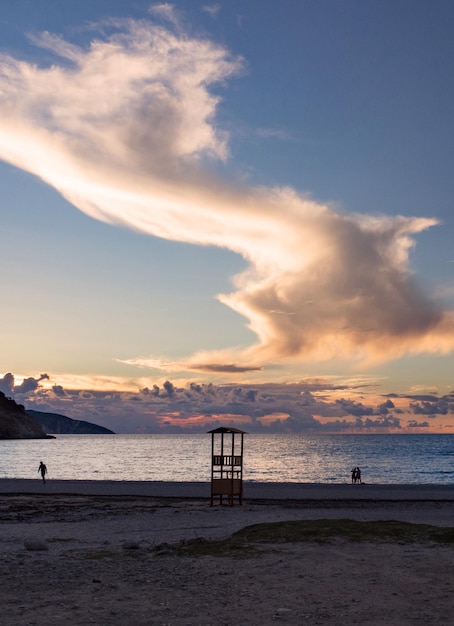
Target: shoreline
{"type": "Point", "coordinates": [252, 490]}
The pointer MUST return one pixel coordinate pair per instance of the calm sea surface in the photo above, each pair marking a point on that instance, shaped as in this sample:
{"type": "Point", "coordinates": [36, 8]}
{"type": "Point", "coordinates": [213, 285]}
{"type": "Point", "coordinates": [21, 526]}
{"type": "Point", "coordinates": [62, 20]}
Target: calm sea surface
{"type": "Point", "coordinates": [267, 458]}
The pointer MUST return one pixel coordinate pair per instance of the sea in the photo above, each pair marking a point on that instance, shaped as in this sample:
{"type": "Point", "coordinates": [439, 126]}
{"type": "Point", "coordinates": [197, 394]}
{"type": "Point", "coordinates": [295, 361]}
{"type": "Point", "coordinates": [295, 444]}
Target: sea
{"type": "Point", "coordinates": [293, 458]}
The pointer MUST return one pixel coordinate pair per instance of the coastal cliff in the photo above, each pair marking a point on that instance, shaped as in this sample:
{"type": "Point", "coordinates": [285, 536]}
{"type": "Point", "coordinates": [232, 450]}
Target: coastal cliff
{"type": "Point", "coordinates": [16, 424]}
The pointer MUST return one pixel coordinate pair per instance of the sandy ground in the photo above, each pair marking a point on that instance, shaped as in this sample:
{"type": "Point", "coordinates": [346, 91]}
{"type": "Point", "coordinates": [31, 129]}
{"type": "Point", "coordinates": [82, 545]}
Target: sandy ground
{"type": "Point", "coordinates": [72, 558]}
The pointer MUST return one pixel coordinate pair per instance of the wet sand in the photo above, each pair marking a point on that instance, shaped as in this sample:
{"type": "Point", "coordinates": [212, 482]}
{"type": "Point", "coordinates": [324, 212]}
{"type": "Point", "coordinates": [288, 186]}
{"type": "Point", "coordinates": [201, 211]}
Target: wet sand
{"type": "Point", "coordinates": [252, 490]}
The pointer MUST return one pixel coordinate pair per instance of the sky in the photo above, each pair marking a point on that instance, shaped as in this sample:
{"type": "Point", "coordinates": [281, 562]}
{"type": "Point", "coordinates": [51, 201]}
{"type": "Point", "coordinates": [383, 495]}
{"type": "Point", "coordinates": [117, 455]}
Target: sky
{"type": "Point", "coordinates": [234, 213]}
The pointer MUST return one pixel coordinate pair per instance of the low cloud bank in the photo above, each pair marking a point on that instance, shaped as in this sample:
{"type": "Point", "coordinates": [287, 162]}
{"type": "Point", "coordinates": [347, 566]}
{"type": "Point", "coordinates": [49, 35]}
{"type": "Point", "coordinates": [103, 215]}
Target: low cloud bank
{"type": "Point", "coordinates": [310, 406]}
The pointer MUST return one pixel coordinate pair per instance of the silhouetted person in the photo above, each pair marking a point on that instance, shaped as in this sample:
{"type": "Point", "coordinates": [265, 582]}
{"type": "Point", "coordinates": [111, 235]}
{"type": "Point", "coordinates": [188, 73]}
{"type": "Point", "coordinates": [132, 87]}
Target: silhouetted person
{"type": "Point", "coordinates": [42, 469]}
{"type": "Point", "coordinates": [358, 475]}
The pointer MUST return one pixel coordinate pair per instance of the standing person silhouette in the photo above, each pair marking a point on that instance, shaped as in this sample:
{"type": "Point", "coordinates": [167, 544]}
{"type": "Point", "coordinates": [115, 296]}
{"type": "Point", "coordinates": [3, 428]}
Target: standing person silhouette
{"type": "Point", "coordinates": [42, 469]}
{"type": "Point", "coordinates": [358, 475]}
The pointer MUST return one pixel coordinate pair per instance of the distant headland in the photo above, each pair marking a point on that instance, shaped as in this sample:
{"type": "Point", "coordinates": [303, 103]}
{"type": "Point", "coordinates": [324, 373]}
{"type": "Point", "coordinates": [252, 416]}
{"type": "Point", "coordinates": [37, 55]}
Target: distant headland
{"type": "Point", "coordinates": [61, 425]}
{"type": "Point", "coordinates": [18, 423]}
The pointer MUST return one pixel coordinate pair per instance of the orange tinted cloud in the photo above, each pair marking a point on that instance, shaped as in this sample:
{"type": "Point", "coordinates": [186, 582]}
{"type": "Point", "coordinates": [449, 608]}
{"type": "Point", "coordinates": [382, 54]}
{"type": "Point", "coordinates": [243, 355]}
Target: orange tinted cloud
{"type": "Point", "coordinates": [125, 129]}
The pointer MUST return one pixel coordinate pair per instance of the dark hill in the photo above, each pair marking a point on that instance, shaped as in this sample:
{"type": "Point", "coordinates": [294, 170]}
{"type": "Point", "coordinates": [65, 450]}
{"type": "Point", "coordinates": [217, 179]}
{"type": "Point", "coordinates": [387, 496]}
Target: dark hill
{"type": "Point", "coordinates": [62, 425]}
{"type": "Point", "coordinates": [16, 424]}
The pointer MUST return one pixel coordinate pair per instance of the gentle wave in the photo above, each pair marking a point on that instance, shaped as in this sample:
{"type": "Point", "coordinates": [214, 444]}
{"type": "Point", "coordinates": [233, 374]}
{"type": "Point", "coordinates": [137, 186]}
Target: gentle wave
{"type": "Point", "coordinates": [385, 459]}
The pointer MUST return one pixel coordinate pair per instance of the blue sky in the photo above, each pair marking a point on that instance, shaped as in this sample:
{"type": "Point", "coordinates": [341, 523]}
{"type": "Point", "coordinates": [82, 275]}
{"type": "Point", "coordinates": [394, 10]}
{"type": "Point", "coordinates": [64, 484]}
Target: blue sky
{"type": "Point", "coordinates": [212, 209]}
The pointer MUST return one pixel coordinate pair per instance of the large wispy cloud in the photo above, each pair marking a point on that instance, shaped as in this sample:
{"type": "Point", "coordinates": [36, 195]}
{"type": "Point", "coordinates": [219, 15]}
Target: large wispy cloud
{"type": "Point", "coordinates": [125, 129]}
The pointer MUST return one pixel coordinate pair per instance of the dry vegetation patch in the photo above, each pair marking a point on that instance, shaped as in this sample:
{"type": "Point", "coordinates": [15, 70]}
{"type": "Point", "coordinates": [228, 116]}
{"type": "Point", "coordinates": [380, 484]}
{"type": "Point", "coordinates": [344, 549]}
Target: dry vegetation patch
{"type": "Point", "coordinates": [249, 540]}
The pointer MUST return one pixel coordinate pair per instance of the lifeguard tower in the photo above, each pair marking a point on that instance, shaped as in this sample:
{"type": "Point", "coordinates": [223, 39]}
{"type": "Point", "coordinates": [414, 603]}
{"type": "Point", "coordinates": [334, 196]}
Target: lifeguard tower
{"type": "Point", "coordinates": [227, 464]}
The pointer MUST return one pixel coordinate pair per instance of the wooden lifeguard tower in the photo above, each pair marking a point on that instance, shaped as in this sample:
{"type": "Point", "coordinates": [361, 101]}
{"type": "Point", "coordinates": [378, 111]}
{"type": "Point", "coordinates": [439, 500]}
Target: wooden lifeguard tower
{"type": "Point", "coordinates": [227, 464]}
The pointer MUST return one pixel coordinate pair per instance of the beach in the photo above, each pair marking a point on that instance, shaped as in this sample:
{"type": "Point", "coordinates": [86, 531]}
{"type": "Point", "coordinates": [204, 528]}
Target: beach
{"type": "Point", "coordinates": [100, 552]}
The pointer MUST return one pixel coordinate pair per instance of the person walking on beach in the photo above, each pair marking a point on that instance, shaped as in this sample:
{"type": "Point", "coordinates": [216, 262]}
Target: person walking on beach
{"type": "Point", "coordinates": [42, 469]}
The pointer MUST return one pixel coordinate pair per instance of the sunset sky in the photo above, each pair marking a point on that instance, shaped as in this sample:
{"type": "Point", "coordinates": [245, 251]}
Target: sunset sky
{"type": "Point", "coordinates": [237, 212]}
